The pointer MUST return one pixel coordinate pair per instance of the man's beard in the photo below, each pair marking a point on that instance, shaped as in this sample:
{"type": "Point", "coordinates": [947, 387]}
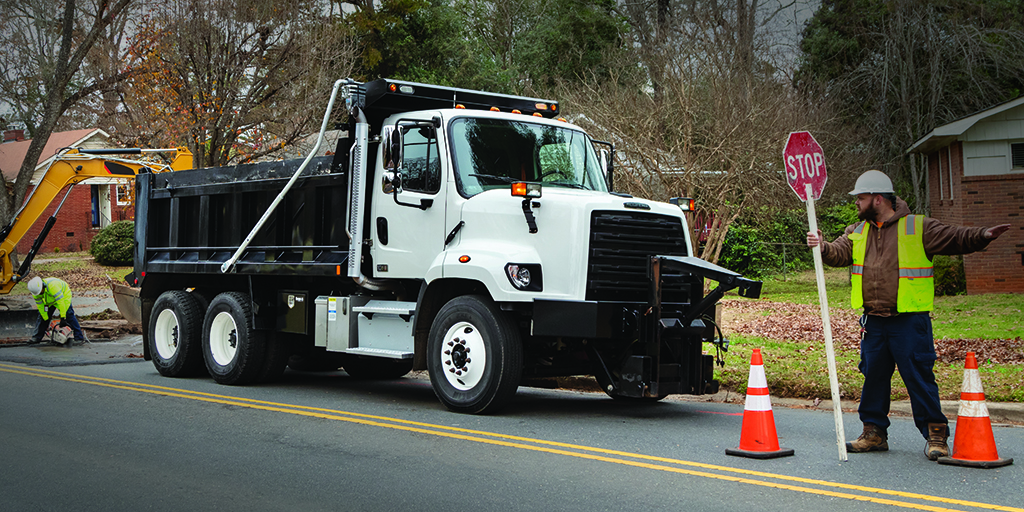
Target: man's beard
{"type": "Point", "coordinates": [869, 214]}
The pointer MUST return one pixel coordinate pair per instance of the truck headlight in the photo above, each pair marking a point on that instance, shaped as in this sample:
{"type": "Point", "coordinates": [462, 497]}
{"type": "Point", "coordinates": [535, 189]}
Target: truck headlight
{"type": "Point", "coordinates": [524, 276]}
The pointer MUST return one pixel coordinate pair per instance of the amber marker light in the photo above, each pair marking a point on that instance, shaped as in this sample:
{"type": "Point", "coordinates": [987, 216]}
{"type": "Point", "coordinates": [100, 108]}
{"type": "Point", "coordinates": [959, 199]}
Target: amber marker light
{"type": "Point", "coordinates": [393, 87]}
{"type": "Point", "coordinates": [337, 270]}
{"type": "Point", "coordinates": [460, 105]}
{"type": "Point", "coordinates": [464, 259]}
{"type": "Point", "coordinates": [523, 189]}
{"type": "Point", "coordinates": [686, 204]}
{"type": "Point", "coordinates": [516, 111]}
{"type": "Point", "coordinates": [495, 109]}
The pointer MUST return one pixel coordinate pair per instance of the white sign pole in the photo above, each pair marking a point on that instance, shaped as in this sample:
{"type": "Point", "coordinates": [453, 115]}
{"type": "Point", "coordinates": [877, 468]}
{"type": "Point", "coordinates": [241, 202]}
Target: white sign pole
{"type": "Point", "coordinates": [833, 379]}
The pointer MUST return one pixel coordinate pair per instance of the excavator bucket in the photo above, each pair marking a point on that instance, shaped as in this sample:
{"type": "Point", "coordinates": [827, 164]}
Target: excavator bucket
{"type": "Point", "coordinates": [17, 319]}
{"type": "Point", "coordinates": [128, 302]}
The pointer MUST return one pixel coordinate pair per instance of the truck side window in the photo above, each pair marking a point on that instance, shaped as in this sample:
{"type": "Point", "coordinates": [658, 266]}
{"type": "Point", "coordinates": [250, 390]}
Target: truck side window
{"type": "Point", "coordinates": [421, 170]}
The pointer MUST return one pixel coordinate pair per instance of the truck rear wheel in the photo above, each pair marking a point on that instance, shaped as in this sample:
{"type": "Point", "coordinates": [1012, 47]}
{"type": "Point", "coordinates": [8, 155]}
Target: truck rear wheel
{"type": "Point", "coordinates": [175, 339]}
{"type": "Point", "coordinates": [233, 350]}
{"type": "Point", "coordinates": [474, 355]}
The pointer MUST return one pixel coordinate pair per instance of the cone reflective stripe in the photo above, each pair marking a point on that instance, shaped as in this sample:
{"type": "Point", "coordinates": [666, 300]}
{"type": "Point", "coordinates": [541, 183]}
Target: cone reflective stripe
{"type": "Point", "coordinates": [758, 438]}
{"type": "Point", "coordinates": [974, 444]}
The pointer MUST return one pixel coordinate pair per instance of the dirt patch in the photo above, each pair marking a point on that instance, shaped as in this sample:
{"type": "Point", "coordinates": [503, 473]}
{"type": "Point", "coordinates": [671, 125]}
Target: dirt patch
{"type": "Point", "coordinates": [802, 322]}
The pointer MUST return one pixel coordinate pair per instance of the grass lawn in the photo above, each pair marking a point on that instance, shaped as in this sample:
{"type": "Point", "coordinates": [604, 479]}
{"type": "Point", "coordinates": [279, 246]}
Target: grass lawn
{"type": "Point", "coordinates": [799, 369]}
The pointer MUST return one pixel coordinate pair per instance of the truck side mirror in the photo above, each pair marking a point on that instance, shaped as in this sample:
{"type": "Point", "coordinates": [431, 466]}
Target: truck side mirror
{"type": "Point", "coordinates": [393, 141]}
{"type": "Point", "coordinates": [606, 166]}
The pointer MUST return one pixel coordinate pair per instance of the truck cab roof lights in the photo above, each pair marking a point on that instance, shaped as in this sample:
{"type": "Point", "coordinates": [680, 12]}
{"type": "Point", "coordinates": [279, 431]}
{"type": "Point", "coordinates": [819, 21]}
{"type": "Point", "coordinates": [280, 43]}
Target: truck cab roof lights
{"type": "Point", "coordinates": [538, 114]}
{"type": "Point", "coordinates": [516, 111]}
{"type": "Point", "coordinates": [523, 189]}
{"type": "Point", "coordinates": [495, 109]}
{"type": "Point", "coordinates": [686, 204]}
{"type": "Point", "coordinates": [460, 105]}
{"type": "Point", "coordinates": [562, 119]}
{"type": "Point", "coordinates": [404, 88]}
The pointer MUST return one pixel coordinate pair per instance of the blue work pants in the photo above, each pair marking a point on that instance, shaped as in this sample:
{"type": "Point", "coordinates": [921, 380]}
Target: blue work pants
{"type": "Point", "coordinates": [903, 341]}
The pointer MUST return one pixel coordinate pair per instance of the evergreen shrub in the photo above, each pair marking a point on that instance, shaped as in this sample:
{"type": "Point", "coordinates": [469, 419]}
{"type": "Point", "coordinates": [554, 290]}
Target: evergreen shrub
{"type": "Point", "coordinates": [950, 278]}
{"type": "Point", "coordinates": [114, 245]}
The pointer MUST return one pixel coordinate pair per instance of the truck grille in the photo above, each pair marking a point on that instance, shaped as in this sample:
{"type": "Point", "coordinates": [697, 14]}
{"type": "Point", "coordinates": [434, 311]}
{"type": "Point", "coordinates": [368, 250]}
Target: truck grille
{"type": "Point", "coordinates": [621, 244]}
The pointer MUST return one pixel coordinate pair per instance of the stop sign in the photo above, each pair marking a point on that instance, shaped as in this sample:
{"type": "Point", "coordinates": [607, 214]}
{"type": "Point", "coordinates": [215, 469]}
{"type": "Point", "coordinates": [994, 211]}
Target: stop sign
{"type": "Point", "coordinates": [805, 163]}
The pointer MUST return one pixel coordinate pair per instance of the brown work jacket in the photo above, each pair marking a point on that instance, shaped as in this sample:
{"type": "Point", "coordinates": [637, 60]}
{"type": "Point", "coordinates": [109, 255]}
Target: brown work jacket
{"type": "Point", "coordinates": [881, 263]}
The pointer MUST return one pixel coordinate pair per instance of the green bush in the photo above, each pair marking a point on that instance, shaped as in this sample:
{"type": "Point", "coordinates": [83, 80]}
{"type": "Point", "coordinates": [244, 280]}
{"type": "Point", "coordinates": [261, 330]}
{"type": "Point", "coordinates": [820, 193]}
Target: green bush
{"type": "Point", "coordinates": [114, 245]}
{"type": "Point", "coordinates": [949, 275]}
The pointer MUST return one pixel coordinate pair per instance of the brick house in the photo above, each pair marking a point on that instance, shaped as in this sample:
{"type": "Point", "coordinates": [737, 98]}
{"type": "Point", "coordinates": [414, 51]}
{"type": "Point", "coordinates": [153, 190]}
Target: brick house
{"type": "Point", "coordinates": [976, 178]}
{"type": "Point", "coordinates": [91, 205]}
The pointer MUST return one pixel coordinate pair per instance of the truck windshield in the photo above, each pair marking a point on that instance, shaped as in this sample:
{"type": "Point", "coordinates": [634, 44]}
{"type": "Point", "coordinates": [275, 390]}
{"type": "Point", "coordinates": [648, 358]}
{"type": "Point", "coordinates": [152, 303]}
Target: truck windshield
{"type": "Point", "coordinates": [489, 153]}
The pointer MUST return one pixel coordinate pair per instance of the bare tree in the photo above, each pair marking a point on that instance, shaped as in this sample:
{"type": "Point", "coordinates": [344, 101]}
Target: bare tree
{"type": "Point", "coordinates": [44, 51]}
{"type": "Point", "coordinates": [234, 80]}
{"type": "Point", "coordinates": [710, 122]}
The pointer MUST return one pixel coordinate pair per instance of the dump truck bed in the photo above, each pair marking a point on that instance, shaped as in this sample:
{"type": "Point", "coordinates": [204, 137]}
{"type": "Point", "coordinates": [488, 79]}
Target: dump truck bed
{"type": "Point", "coordinates": [192, 221]}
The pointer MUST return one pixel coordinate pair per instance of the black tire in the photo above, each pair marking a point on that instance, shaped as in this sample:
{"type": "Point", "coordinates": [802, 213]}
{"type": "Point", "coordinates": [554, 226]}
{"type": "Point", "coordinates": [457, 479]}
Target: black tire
{"type": "Point", "coordinates": [375, 368]}
{"type": "Point", "coordinates": [474, 322]}
{"type": "Point", "coordinates": [175, 334]}
{"type": "Point", "coordinates": [234, 352]}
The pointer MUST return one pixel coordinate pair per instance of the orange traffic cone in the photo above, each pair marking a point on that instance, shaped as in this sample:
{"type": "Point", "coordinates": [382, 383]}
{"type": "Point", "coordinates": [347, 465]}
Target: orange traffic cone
{"type": "Point", "coordinates": [758, 439]}
{"type": "Point", "coordinates": [973, 444]}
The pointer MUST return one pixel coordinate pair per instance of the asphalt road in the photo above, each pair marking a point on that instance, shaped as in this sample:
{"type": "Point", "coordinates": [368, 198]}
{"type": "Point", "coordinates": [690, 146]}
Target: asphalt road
{"type": "Point", "coordinates": [120, 437]}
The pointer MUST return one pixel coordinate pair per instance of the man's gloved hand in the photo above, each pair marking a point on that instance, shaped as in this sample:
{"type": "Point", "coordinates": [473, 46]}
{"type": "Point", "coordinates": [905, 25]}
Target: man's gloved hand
{"type": "Point", "coordinates": [63, 323]}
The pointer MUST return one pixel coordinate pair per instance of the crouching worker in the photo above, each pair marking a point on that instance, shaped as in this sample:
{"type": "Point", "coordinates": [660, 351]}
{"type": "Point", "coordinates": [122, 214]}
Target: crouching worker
{"type": "Point", "coordinates": [53, 297]}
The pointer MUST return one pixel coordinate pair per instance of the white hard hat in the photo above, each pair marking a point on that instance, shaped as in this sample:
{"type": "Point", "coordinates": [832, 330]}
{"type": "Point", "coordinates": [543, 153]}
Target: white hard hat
{"type": "Point", "coordinates": [35, 286]}
{"type": "Point", "coordinates": [873, 182]}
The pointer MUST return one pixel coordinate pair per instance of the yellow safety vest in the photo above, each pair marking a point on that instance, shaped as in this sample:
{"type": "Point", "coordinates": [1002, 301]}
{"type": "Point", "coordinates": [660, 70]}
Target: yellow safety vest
{"type": "Point", "coordinates": [916, 291]}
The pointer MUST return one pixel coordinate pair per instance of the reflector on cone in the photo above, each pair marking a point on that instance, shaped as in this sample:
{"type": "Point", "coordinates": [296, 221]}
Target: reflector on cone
{"type": "Point", "coordinates": [758, 438]}
{"type": "Point", "coordinates": [973, 445]}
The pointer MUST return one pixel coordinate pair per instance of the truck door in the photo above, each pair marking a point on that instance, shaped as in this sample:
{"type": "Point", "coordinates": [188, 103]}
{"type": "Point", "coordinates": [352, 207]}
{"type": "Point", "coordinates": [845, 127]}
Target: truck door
{"type": "Point", "coordinates": [409, 226]}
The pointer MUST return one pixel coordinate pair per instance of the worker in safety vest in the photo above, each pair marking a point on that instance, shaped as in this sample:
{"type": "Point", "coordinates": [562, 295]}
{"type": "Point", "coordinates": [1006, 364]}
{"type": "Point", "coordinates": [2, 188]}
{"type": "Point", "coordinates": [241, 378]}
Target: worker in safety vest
{"type": "Point", "coordinates": [890, 252]}
{"type": "Point", "coordinates": [53, 298]}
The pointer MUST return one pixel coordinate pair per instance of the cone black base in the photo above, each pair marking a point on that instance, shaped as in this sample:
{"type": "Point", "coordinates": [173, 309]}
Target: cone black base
{"type": "Point", "coordinates": [984, 464]}
{"type": "Point", "coordinates": [781, 452]}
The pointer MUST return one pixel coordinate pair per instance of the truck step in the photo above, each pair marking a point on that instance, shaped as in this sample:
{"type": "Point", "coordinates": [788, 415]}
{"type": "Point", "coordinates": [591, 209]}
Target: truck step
{"type": "Point", "coordinates": [383, 307]}
{"type": "Point", "coordinates": [379, 352]}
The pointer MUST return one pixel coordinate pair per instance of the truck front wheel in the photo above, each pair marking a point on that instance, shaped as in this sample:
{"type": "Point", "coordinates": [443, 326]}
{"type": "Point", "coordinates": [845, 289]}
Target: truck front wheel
{"type": "Point", "coordinates": [233, 350]}
{"type": "Point", "coordinates": [474, 355]}
{"type": "Point", "coordinates": [175, 339]}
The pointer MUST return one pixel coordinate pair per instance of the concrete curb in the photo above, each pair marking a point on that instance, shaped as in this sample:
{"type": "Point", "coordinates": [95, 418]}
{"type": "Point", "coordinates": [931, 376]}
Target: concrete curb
{"type": "Point", "coordinates": [999, 412]}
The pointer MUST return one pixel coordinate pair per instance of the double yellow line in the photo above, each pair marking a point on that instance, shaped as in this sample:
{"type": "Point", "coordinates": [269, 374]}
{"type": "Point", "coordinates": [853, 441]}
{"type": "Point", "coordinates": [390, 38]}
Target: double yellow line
{"type": "Point", "coordinates": [724, 473]}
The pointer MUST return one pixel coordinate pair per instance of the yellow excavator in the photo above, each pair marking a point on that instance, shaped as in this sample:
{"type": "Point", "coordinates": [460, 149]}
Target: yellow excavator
{"type": "Point", "coordinates": [70, 167]}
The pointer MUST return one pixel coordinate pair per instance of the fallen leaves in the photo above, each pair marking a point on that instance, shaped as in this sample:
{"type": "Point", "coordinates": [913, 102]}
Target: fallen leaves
{"type": "Point", "coordinates": [802, 322]}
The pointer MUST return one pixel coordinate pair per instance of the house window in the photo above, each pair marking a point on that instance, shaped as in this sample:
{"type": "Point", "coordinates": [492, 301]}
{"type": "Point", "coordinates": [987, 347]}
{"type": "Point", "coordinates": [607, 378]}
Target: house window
{"type": "Point", "coordinates": [1017, 155]}
{"type": "Point", "coordinates": [124, 194]}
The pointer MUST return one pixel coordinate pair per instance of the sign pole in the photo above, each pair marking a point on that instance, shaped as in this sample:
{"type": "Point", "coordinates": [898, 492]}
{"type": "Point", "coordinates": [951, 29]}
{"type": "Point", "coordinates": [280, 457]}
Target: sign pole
{"type": "Point", "coordinates": [833, 379]}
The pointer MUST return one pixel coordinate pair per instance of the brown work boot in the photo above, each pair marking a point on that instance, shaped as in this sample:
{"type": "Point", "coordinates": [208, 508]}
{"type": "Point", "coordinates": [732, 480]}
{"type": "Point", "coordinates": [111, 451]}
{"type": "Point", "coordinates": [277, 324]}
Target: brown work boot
{"type": "Point", "coordinates": [936, 446]}
{"type": "Point", "coordinates": [873, 439]}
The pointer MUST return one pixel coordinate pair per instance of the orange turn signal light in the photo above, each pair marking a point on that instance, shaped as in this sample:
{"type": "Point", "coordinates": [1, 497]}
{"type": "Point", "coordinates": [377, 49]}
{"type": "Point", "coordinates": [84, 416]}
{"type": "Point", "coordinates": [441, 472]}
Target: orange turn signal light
{"type": "Point", "coordinates": [460, 105]}
{"type": "Point", "coordinates": [523, 189]}
{"type": "Point", "coordinates": [464, 259]}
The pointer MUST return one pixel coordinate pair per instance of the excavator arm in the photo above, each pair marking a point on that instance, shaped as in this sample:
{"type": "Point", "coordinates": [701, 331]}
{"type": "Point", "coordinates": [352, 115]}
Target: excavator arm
{"type": "Point", "coordinates": [71, 167]}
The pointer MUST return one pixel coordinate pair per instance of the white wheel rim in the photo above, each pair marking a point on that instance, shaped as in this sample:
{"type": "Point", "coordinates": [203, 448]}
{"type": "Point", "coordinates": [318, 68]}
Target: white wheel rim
{"type": "Point", "coordinates": [166, 333]}
{"type": "Point", "coordinates": [463, 356]}
{"type": "Point", "coordinates": [223, 338]}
